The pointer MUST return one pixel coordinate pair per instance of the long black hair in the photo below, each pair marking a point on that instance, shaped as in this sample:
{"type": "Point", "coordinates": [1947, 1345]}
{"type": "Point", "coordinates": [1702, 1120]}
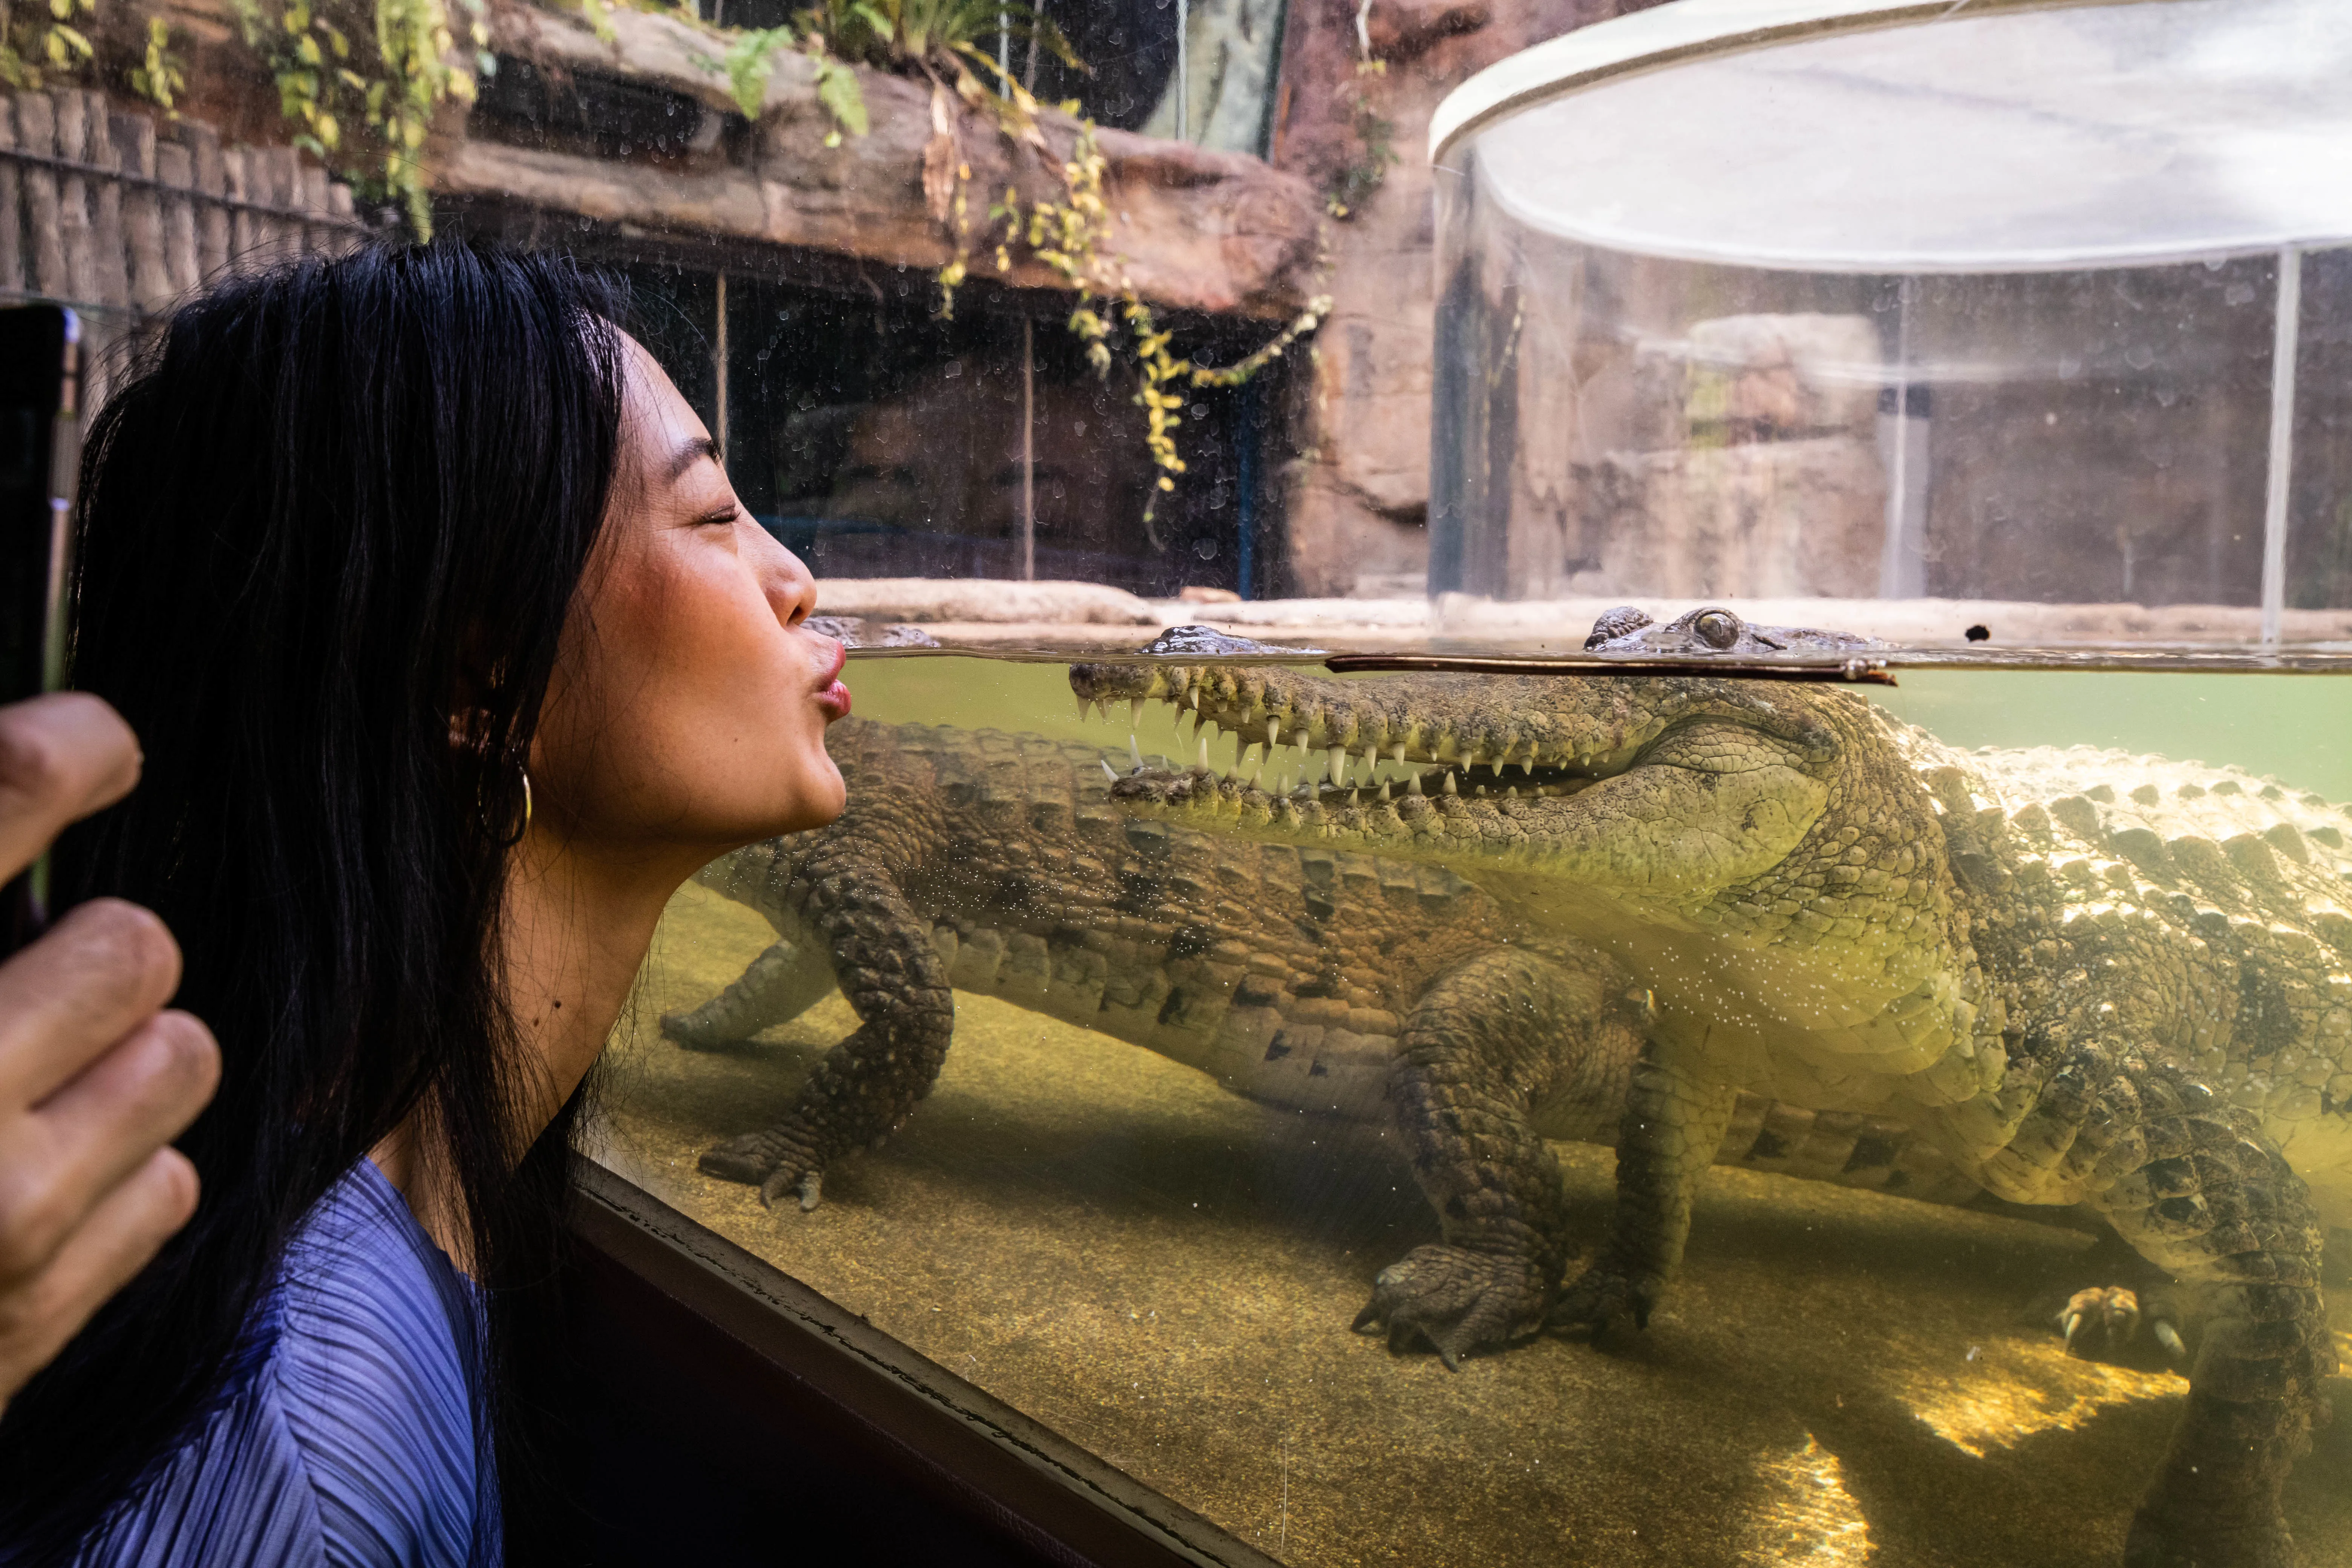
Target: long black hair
{"type": "Point", "coordinates": [332, 521]}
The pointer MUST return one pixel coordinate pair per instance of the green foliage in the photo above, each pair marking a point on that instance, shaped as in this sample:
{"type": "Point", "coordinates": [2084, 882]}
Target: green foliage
{"type": "Point", "coordinates": [1067, 235]}
{"type": "Point", "coordinates": [162, 76]}
{"type": "Point", "coordinates": [39, 40]}
{"type": "Point", "coordinates": [837, 89]}
{"type": "Point", "coordinates": [750, 60]}
{"type": "Point", "coordinates": [938, 33]}
{"type": "Point", "coordinates": [945, 40]}
{"type": "Point", "coordinates": [748, 63]}
{"type": "Point", "coordinates": [366, 108]}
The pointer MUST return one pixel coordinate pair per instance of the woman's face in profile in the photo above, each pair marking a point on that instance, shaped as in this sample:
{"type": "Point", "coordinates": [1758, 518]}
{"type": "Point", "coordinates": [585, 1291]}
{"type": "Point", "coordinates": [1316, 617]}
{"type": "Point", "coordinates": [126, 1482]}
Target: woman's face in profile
{"type": "Point", "coordinates": [690, 704]}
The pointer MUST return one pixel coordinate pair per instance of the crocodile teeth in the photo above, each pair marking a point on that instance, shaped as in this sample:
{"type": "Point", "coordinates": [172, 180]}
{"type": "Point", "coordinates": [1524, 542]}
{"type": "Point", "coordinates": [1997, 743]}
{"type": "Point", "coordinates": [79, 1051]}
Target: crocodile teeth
{"type": "Point", "coordinates": [1135, 712]}
{"type": "Point", "coordinates": [1273, 735]}
{"type": "Point", "coordinates": [1413, 784]}
{"type": "Point", "coordinates": [1205, 751]}
{"type": "Point", "coordinates": [1396, 753]}
{"type": "Point", "coordinates": [1135, 750]}
{"type": "Point", "coordinates": [1339, 759]}
{"type": "Point", "coordinates": [1085, 709]}
{"type": "Point", "coordinates": [1384, 790]}
{"type": "Point", "coordinates": [1449, 785]}
{"type": "Point", "coordinates": [1110, 773]}
{"type": "Point", "coordinates": [1474, 759]}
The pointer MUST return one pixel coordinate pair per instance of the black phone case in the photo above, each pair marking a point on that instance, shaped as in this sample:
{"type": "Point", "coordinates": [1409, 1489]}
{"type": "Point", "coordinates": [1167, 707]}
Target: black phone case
{"type": "Point", "coordinates": [40, 453]}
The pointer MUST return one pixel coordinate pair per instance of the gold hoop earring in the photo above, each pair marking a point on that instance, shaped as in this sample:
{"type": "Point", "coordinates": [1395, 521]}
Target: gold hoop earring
{"type": "Point", "coordinates": [526, 796]}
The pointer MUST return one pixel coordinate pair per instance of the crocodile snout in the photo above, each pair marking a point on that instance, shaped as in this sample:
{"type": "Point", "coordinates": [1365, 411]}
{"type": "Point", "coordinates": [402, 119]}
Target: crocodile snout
{"type": "Point", "coordinates": [1434, 739]}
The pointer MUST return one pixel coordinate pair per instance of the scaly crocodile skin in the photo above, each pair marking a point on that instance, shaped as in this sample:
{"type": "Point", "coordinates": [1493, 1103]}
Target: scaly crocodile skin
{"type": "Point", "coordinates": [2090, 977]}
{"type": "Point", "coordinates": [1314, 979]}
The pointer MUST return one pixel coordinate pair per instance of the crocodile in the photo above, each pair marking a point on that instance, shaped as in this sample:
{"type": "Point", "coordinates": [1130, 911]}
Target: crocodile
{"type": "Point", "coordinates": [2088, 978]}
{"type": "Point", "coordinates": [997, 864]}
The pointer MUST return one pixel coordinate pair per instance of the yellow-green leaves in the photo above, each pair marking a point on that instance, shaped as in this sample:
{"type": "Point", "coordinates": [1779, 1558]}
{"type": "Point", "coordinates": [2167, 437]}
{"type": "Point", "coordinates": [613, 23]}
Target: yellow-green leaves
{"type": "Point", "coordinates": [158, 79]}
{"type": "Point", "coordinates": [366, 108]}
{"type": "Point", "coordinates": [837, 89]}
{"type": "Point", "coordinates": [748, 63]}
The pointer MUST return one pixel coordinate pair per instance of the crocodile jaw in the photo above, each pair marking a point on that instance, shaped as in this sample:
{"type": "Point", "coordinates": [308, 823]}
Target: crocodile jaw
{"type": "Point", "coordinates": [1410, 721]}
{"type": "Point", "coordinates": [1667, 785]}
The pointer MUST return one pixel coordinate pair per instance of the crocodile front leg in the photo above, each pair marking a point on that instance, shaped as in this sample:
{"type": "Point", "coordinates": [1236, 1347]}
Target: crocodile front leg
{"type": "Point", "coordinates": [2192, 1184]}
{"type": "Point", "coordinates": [887, 966]}
{"type": "Point", "coordinates": [1490, 1042]}
{"type": "Point", "coordinates": [785, 981]}
{"type": "Point", "coordinates": [1674, 1121]}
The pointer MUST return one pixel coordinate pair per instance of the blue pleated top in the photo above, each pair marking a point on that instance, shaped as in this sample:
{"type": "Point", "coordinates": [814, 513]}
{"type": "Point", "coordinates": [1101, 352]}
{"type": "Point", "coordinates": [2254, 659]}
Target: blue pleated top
{"type": "Point", "coordinates": [347, 1432]}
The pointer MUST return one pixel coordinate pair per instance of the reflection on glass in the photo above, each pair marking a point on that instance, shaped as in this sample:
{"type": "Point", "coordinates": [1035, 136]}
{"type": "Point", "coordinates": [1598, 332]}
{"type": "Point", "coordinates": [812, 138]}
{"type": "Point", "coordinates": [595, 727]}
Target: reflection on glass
{"type": "Point", "coordinates": [880, 441]}
{"type": "Point", "coordinates": [1288, 1002]}
{"type": "Point", "coordinates": [2029, 306]}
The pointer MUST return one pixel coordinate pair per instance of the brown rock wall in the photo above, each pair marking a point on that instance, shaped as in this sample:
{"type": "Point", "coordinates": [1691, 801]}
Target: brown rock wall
{"type": "Point", "coordinates": [1361, 507]}
{"type": "Point", "coordinates": [1194, 228]}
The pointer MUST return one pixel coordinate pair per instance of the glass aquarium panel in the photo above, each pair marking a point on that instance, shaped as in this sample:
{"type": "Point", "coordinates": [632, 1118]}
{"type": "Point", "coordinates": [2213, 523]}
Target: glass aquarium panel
{"type": "Point", "coordinates": [876, 438]}
{"type": "Point", "coordinates": [1122, 1065]}
{"type": "Point", "coordinates": [2021, 308]}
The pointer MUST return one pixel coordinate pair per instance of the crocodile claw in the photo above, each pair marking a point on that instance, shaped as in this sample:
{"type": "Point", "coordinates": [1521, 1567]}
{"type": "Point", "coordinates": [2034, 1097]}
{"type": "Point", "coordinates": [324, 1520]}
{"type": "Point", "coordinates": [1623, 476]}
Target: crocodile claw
{"type": "Point", "coordinates": [1457, 1301]}
{"type": "Point", "coordinates": [810, 1185]}
{"type": "Point", "coordinates": [2108, 1318]}
{"type": "Point", "coordinates": [1599, 1297]}
{"type": "Point", "coordinates": [771, 1160]}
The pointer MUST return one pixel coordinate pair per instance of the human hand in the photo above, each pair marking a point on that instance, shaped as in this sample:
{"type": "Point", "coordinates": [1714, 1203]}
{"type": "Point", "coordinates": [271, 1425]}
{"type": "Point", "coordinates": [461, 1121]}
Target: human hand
{"type": "Point", "coordinates": [95, 1077]}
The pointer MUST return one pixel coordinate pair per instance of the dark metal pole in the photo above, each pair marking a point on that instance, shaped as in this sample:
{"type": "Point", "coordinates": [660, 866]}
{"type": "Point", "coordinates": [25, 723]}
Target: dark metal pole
{"type": "Point", "coordinates": [1028, 452]}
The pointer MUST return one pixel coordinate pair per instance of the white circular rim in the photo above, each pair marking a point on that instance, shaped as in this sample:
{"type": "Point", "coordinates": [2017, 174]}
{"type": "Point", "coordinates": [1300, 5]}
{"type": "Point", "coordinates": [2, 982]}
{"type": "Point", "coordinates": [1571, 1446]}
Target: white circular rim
{"type": "Point", "coordinates": [1682, 30]}
{"type": "Point", "coordinates": [1685, 31]}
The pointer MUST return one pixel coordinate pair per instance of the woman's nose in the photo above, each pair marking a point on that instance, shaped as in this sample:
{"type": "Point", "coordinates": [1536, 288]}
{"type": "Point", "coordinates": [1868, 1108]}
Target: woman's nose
{"type": "Point", "coordinates": [791, 589]}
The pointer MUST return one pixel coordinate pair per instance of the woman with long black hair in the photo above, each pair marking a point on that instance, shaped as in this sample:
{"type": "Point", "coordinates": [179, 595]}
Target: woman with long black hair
{"type": "Point", "coordinates": [453, 654]}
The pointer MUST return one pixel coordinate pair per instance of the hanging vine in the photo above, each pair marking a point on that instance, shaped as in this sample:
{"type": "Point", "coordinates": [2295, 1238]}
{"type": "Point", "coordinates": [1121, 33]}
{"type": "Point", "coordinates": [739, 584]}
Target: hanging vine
{"type": "Point", "coordinates": [1068, 237]}
{"type": "Point", "coordinates": [943, 40]}
{"type": "Point", "coordinates": [362, 78]}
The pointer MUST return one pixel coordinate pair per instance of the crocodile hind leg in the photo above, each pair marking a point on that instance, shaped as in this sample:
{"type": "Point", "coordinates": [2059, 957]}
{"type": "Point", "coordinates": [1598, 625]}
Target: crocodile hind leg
{"type": "Point", "coordinates": [1674, 1121]}
{"type": "Point", "coordinates": [896, 983]}
{"type": "Point", "coordinates": [785, 981]}
{"type": "Point", "coordinates": [1488, 1043]}
{"type": "Point", "coordinates": [2191, 1183]}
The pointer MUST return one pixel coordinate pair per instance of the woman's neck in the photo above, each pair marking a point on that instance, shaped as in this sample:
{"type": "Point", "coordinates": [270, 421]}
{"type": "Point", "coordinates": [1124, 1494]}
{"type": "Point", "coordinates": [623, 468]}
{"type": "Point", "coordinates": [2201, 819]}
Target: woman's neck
{"type": "Point", "coordinates": [576, 926]}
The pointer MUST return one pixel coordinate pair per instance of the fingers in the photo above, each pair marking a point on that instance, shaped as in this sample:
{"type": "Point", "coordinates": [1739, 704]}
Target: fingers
{"type": "Point", "coordinates": [97, 975]}
{"type": "Point", "coordinates": [58, 1162]}
{"type": "Point", "coordinates": [114, 1242]}
{"type": "Point", "coordinates": [61, 757]}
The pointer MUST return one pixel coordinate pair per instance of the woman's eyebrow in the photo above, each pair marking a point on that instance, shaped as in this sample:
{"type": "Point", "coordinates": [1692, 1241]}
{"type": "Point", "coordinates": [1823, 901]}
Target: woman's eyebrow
{"type": "Point", "coordinates": [690, 452]}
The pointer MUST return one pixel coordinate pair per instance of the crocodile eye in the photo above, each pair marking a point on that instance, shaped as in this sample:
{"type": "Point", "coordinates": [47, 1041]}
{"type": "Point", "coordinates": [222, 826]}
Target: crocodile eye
{"type": "Point", "coordinates": [1717, 628]}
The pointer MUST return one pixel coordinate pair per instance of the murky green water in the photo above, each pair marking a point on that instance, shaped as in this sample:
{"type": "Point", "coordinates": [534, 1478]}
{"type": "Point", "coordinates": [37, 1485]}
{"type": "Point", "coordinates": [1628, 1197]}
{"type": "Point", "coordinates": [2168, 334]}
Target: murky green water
{"type": "Point", "coordinates": [1169, 1150]}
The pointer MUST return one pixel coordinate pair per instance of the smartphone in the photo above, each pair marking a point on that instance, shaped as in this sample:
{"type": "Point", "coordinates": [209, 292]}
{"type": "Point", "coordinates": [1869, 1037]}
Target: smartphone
{"type": "Point", "coordinates": [40, 452]}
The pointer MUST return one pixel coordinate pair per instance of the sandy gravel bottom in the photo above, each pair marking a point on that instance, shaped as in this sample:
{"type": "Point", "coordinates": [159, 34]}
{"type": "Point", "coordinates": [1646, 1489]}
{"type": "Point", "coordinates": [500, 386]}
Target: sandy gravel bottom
{"type": "Point", "coordinates": [1165, 1274]}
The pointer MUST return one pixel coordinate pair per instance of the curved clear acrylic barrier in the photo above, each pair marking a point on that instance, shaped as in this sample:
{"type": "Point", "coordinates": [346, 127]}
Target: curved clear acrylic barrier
{"type": "Point", "coordinates": [2006, 331]}
{"type": "Point", "coordinates": [2022, 138]}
